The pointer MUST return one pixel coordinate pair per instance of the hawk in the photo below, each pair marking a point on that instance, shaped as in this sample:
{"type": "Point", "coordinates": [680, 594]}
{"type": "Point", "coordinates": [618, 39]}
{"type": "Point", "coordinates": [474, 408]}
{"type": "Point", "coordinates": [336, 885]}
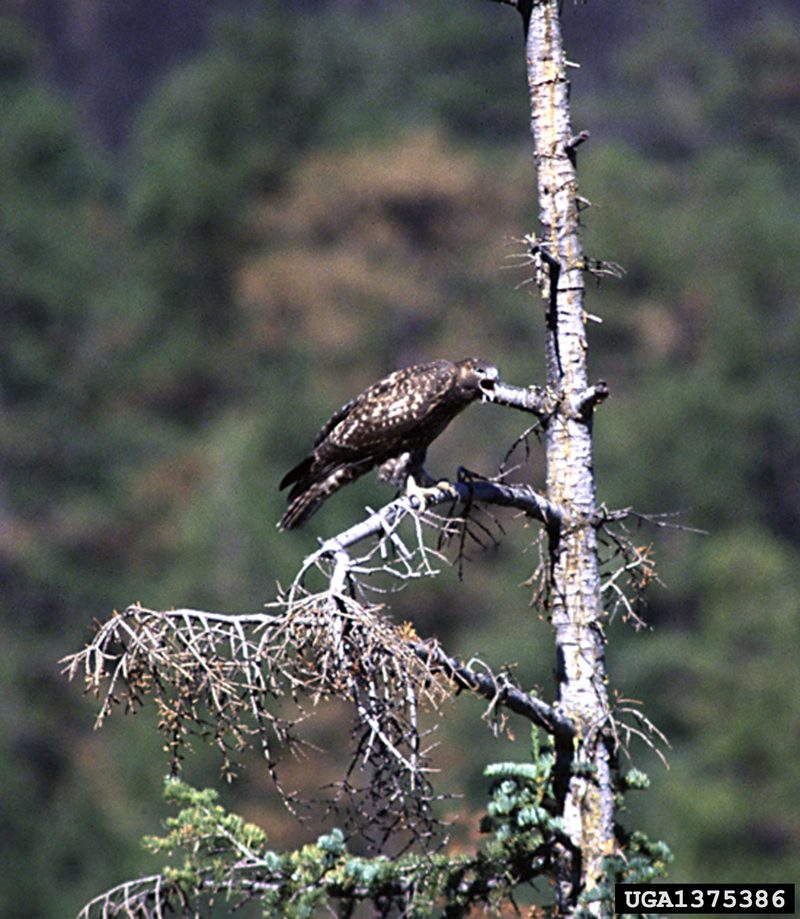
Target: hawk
{"type": "Point", "coordinates": [391, 424]}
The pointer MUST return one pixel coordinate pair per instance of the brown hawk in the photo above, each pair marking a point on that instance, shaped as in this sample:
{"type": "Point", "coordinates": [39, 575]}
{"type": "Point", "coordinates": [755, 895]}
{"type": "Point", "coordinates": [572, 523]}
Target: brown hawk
{"type": "Point", "coordinates": [391, 424]}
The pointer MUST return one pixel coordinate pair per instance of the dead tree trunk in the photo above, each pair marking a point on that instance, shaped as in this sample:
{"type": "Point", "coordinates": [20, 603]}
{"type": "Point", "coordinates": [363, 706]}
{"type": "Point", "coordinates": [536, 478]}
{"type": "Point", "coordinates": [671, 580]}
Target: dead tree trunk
{"type": "Point", "coordinates": [584, 772]}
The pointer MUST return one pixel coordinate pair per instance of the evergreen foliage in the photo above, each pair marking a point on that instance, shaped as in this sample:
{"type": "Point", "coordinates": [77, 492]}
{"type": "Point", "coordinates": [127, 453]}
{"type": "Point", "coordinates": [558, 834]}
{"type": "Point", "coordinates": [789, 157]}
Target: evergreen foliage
{"type": "Point", "coordinates": [226, 860]}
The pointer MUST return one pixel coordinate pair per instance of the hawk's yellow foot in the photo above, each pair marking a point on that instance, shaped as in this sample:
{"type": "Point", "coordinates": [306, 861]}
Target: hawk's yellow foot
{"type": "Point", "coordinates": [424, 493]}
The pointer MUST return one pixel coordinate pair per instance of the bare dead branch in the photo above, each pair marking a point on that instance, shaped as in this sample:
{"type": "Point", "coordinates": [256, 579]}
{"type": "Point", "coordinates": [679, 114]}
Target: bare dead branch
{"type": "Point", "coordinates": [629, 721]}
{"type": "Point", "coordinates": [664, 520]}
{"type": "Point", "coordinates": [523, 438]}
{"type": "Point", "coordinates": [583, 406]}
{"type": "Point", "coordinates": [497, 688]}
{"type": "Point", "coordinates": [531, 399]}
{"type": "Point", "coordinates": [600, 268]}
{"type": "Point", "coordinates": [628, 565]}
{"type": "Point", "coordinates": [142, 898]}
{"type": "Point", "coordinates": [253, 679]}
{"type": "Point", "coordinates": [573, 143]}
{"type": "Point", "coordinates": [385, 521]}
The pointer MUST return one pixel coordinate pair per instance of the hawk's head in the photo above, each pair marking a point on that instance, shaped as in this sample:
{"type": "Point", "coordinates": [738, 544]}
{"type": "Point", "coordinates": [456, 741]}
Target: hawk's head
{"type": "Point", "coordinates": [476, 378]}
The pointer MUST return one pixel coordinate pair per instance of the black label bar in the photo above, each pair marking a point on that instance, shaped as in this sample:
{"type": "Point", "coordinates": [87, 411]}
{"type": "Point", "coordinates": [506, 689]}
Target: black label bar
{"type": "Point", "coordinates": [712, 899]}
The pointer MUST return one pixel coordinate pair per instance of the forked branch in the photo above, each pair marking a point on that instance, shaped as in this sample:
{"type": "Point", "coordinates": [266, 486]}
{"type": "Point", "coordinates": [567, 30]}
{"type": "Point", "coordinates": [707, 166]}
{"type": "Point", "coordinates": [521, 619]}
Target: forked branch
{"type": "Point", "coordinates": [498, 689]}
{"type": "Point", "coordinates": [251, 680]}
{"type": "Point", "coordinates": [385, 521]}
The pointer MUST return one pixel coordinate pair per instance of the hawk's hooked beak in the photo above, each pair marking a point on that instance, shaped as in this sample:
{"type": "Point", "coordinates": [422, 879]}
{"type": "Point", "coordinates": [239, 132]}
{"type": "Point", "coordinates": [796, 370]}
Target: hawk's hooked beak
{"type": "Point", "coordinates": [486, 387]}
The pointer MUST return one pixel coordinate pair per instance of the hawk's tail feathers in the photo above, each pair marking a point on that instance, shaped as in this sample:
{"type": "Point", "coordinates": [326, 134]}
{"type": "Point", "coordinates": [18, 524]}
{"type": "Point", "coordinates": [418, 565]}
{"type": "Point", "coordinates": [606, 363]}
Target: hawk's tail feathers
{"type": "Point", "coordinates": [297, 473]}
{"type": "Point", "coordinates": [300, 509]}
{"type": "Point", "coordinates": [306, 496]}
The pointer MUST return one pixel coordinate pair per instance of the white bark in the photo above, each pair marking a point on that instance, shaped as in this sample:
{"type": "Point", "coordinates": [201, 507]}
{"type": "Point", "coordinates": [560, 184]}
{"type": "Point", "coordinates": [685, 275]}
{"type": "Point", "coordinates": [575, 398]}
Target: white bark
{"type": "Point", "coordinates": [576, 609]}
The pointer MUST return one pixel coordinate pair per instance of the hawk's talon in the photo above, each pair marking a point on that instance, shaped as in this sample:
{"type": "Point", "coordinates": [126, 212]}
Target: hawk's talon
{"type": "Point", "coordinates": [424, 493]}
{"type": "Point", "coordinates": [449, 489]}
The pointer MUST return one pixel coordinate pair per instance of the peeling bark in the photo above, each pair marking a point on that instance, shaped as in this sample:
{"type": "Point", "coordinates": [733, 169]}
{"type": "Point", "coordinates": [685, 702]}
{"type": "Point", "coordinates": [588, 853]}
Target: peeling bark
{"type": "Point", "coordinates": [584, 770]}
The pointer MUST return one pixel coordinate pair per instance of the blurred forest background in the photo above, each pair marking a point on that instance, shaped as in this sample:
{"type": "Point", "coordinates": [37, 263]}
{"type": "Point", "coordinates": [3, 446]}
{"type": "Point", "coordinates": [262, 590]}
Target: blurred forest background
{"type": "Point", "coordinates": [219, 220]}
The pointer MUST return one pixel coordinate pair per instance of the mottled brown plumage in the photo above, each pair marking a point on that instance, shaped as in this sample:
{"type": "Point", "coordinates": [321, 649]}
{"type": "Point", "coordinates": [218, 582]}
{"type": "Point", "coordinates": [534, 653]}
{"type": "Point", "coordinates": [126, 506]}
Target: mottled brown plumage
{"type": "Point", "coordinates": [391, 424]}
